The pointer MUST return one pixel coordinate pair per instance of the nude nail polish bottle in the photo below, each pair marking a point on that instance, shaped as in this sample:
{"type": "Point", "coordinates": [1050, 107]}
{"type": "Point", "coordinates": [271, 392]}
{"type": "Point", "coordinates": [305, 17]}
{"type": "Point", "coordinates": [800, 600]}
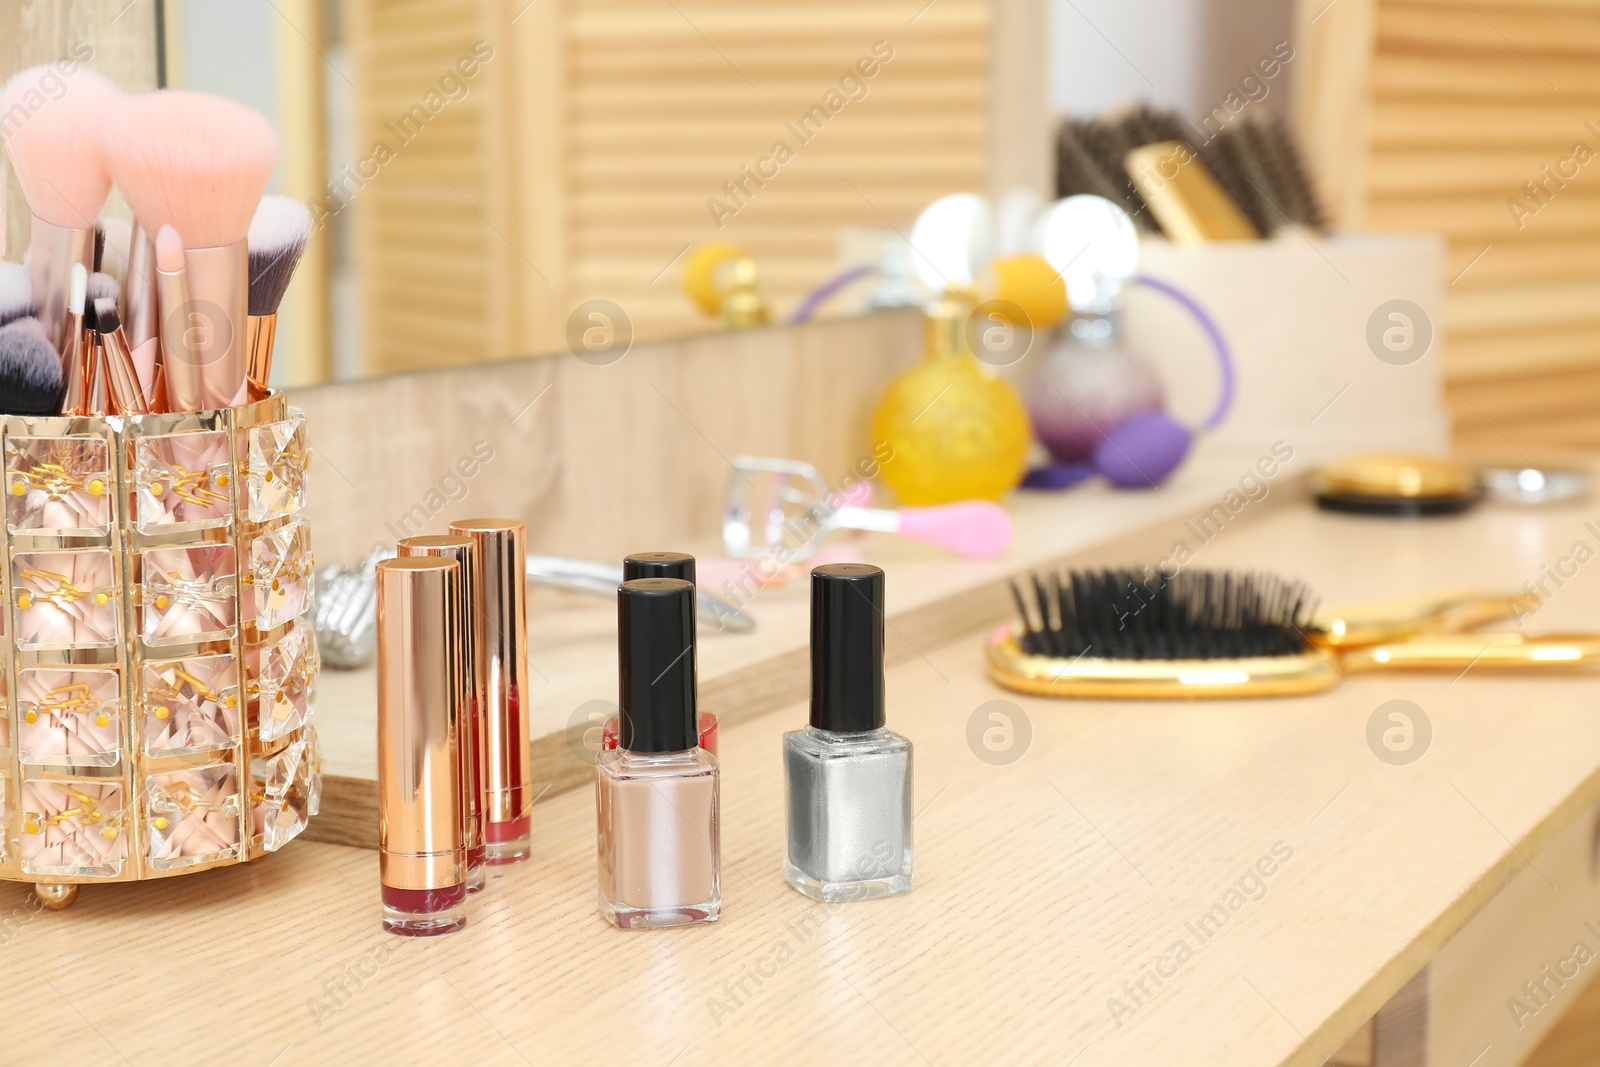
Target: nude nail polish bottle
{"type": "Point", "coordinates": [848, 777]}
{"type": "Point", "coordinates": [662, 565]}
{"type": "Point", "coordinates": [657, 792]}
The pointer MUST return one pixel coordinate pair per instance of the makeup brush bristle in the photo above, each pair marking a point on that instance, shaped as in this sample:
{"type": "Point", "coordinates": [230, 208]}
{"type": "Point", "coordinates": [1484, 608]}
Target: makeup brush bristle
{"type": "Point", "coordinates": [102, 286]}
{"type": "Point", "coordinates": [16, 292]}
{"type": "Point", "coordinates": [51, 132]}
{"type": "Point", "coordinates": [30, 370]}
{"type": "Point", "coordinates": [118, 237]}
{"type": "Point", "coordinates": [1128, 614]}
{"type": "Point", "coordinates": [106, 319]}
{"type": "Point", "coordinates": [278, 236]}
{"type": "Point", "coordinates": [190, 160]}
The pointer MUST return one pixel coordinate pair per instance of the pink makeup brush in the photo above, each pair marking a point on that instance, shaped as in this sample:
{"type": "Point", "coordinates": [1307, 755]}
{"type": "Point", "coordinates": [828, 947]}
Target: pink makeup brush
{"type": "Point", "coordinates": [199, 164]}
{"type": "Point", "coordinates": [51, 129]}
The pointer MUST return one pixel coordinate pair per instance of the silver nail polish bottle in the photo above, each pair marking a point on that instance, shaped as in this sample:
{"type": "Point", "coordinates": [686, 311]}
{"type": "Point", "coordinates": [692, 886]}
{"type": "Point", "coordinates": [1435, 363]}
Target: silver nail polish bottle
{"type": "Point", "coordinates": [848, 776]}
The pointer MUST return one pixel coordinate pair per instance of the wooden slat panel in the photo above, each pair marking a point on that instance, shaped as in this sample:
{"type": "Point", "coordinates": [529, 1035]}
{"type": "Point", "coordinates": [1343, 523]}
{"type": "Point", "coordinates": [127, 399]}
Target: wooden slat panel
{"type": "Point", "coordinates": [661, 118]}
{"type": "Point", "coordinates": [650, 109]}
{"type": "Point", "coordinates": [1476, 108]}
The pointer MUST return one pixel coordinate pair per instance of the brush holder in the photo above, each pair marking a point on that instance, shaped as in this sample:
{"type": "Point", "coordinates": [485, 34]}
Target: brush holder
{"type": "Point", "coordinates": [156, 667]}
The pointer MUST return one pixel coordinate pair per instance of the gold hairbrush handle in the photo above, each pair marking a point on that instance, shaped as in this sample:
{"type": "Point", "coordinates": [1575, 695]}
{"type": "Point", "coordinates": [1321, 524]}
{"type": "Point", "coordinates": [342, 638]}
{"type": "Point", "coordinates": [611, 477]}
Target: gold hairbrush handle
{"type": "Point", "coordinates": [1491, 651]}
{"type": "Point", "coordinates": [1450, 611]}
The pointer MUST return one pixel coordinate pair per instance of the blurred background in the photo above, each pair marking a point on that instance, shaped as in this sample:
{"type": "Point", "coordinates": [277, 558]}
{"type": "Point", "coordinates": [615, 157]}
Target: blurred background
{"type": "Point", "coordinates": [480, 169]}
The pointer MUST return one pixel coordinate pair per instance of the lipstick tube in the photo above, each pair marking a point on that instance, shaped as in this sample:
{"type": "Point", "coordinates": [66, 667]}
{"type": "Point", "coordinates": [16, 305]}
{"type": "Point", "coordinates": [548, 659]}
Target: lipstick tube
{"type": "Point", "coordinates": [500, 642]}
{"type": "Point", "coordinates": [464, 551]}
{"type": "Point", "coordinates": [421, 854]}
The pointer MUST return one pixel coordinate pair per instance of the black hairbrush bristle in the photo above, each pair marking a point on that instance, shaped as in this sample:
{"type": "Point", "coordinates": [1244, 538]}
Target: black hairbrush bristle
{"type": "Point", "coordinates": [1126, 614]}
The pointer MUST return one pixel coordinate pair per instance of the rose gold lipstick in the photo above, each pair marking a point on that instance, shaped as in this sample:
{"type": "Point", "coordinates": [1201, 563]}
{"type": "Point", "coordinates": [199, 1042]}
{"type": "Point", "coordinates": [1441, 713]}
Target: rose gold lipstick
{"type": "Point", "coordinates": [422, 856]}
{"type": "Point", "coordinates": [464, 551]}
{"type": "Point", "coordinates": [500, 642]}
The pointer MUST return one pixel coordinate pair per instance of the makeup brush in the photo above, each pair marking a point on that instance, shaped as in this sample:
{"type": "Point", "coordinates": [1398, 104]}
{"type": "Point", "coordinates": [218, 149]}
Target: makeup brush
{"type": "Point", "coordinates": [55, 151]}
{"type": "Point", "coordinates": [148, 367]}
{"type": "Point", "coordinates": [77, 366]}
{"type": "Point", "coordinates": [199, 164]}
{"type": "Point", "coordinates": [140, 304]}
{"type": "Point", "coordinates": [123, 393]}
{"type": "Point", "coordinates": [101, 287]}
{"type": "Point", "coordinates": [16, 292]}
{"type": "Point", "coordinates": [178, 361]}
{"type": "Point", "coordinates": [278, 236]}
{"type": "Point", "coordinates": [30, 370]}
{"type": "Point", "coordinates": [113, 259]}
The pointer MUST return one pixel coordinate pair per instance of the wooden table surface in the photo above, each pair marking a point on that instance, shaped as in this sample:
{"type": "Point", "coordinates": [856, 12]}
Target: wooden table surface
{"type": "Point", "coordinates": [1052, 890]}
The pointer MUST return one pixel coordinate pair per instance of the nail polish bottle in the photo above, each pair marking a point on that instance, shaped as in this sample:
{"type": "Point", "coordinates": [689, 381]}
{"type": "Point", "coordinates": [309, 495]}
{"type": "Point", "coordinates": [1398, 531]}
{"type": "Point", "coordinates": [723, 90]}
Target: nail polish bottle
{"type": "Point", "coordinates": [657, 791]}
{"type": "Point", "coordinates": [663, 565]}
{"type": "Point", "coordinates": [500, 643]}
{"type": "Point", "coordinates": [848, 777]}
{"type": "Point", "coordinates": [465, 552]}
{"type": "Point", "coordinates": [422, 860]}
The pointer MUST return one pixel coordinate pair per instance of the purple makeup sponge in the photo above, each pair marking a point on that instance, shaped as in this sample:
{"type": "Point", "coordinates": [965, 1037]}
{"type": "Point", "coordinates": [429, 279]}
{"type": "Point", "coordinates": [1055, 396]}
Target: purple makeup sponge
{"type": "Point", "coordinates": [1139, 453]}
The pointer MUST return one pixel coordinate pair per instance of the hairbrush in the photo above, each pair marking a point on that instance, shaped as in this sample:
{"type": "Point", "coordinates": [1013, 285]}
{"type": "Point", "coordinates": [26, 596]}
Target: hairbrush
{"type": "Point", "coordinates": [1219, 634]}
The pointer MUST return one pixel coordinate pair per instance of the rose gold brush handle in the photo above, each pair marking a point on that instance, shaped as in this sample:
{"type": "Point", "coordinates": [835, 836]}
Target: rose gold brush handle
{"type": "Point", "coordinates": [179, 363]}
{"type": "Point", "coordinates": [77, 365]}
{"type": "Point", "coordinates": [52, 251]}
{"type": "Point", "coordinates": [263, 330]}
{"type": "Point", "coordinates": [219, 304]}
{"type": "Point", "coordinates": [139, 300]}
{"type": "Point", "coordinates": [122, 381]}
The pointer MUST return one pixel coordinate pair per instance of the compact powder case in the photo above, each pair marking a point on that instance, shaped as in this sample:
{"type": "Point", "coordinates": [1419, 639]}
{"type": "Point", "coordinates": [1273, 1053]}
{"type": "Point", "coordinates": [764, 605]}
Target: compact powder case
{"type": "Point", "coordinates": [1398, 485]}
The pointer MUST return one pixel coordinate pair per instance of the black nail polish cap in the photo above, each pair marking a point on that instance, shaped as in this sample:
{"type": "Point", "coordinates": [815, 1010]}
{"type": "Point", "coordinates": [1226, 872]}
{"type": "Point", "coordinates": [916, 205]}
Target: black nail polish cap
{"type": "Point", "coordinates": [678, 565]}
{"type": "Point", "coordinates": [847, 648]}
{"type": "Point", "coordinates": [656, 665]}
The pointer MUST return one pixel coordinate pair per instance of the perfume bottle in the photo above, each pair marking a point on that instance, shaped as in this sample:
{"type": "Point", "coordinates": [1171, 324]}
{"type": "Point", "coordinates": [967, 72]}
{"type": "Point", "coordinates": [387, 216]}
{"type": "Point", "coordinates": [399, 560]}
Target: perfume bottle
{"type": "Point", "coordinates": [957, 430]}
{"type": "Point", "coordinates": [422, 856]}
{"type": "Point", "coordinates": [662, 565]}
{"type": "Point", "coordinates": [848, 777]}
{"type": "Point", "coordinates": [657, 792]}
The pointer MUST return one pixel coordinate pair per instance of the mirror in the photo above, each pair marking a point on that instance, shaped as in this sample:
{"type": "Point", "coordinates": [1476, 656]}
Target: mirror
{"type": "Point", "coordinates": [498, 180]}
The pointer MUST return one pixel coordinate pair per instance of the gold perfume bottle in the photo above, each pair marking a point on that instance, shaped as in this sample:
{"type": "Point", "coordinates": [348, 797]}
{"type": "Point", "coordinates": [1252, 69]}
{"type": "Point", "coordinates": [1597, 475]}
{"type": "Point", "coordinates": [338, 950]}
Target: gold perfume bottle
{"type": "Point", "coordinates": [957, 430]}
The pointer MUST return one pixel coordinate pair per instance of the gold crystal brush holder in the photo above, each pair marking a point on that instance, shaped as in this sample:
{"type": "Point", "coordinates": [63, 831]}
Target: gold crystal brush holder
{"type": "Point", "coordinates": [156, 666]}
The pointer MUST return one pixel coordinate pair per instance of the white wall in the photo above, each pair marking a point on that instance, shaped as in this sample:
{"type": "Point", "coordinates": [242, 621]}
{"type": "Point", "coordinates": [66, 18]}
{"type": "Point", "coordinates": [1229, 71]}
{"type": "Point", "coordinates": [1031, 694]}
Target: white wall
{"type": "Point", "coordinates": [1179, 54]}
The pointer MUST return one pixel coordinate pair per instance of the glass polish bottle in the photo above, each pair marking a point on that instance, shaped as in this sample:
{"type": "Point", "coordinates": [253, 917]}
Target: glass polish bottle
{"type": "Point", "coordinates": [662, 565]}
{"type": "Point", "coordinates": [848, 778]}
{"type": "Point", "coordinates": [657, 792]}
